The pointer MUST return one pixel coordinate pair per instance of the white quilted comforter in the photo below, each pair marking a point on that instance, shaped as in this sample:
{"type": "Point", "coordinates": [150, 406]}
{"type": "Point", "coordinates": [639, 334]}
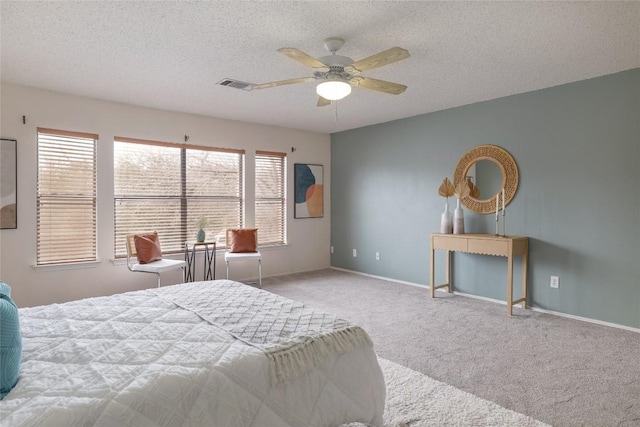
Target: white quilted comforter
{"type": "Point", "coordinates": [136, 359]}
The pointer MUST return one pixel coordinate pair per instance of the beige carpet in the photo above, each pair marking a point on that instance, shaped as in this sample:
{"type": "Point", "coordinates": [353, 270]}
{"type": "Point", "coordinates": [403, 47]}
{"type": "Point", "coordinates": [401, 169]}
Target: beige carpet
{"type": "Point", "coordinates": [415, 400]}
{"type": "Point", "coordinates": [561, 371]}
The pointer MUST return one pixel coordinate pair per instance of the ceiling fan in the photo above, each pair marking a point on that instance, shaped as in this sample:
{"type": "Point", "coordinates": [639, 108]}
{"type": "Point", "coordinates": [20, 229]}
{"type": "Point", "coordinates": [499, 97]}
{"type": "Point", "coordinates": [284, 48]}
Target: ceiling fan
{"type": "Point", "coordinates": [336, 73]}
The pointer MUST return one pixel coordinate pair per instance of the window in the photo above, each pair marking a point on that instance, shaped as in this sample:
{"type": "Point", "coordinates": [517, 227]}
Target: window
{"type": "Point", "coordinates": [166, 187]}
{"type": "Point", "coordinates": [270, 197]}
{"type": "Point", "coordinates": [66, 197]}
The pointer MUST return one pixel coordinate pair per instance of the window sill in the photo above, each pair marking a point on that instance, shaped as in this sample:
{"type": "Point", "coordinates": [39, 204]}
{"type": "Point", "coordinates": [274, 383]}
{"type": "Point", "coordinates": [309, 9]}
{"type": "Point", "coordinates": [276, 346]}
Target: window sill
{"type": "Point", "coordinates": [200, 253]}
{"type": "Point", "coordinates": [273, 247]}
{"type": "Point", "coordinates": [70, 266]}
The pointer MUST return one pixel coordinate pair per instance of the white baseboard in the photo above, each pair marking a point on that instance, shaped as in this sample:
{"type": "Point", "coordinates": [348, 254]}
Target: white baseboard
{"type": "Point", "coordinates": [541, 310]}
{"type": "Point", "coordinates": [288, 273]}
{"type": "Point", "coordinates": [255, 279]}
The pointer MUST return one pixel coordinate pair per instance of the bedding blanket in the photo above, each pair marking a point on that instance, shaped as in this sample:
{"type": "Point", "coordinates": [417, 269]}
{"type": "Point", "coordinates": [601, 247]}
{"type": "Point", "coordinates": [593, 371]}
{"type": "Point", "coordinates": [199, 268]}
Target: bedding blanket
{"type": "Point", "coordinates": [295, 337]}
{"type": "Point", "coordinates": [139, 359]}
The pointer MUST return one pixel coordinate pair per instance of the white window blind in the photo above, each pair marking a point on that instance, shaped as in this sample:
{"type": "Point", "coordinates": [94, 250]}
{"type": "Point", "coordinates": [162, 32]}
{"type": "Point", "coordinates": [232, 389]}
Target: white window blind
{"type": "Point", "coordinates": [66, 197]}
{"type": "Point", "coordinates": [166, 187]}
{"type": "Point", "coordinates": [271, 197]}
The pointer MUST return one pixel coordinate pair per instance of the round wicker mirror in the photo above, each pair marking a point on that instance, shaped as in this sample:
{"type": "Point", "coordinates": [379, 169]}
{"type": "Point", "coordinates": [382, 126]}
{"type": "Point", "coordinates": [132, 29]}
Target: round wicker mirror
{"type": "Point", "coordinates": [509, 176]}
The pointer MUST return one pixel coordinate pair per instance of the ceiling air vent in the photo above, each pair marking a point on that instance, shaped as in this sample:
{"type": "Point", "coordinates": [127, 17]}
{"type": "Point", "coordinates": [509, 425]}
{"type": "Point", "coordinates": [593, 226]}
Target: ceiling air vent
{"type": "Point", "coordinates": [235, 84]}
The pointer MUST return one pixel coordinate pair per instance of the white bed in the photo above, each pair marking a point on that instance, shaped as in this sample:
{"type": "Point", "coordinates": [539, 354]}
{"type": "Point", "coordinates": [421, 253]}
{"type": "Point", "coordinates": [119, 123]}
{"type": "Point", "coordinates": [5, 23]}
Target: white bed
{"type": "Point", "coordinates": [139, 359]}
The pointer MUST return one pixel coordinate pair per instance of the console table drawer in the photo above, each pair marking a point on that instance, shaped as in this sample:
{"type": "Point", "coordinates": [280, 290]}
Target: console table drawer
{"type": "Point", "coordinates": [488, 247]}
{"type": "Point", "coordinates": [450, 244]}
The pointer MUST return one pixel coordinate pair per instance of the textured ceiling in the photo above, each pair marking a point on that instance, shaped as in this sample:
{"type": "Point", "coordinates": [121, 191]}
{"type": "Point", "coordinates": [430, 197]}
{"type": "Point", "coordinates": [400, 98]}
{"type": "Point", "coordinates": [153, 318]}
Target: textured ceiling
{"type": "Point", "coordinates": [170, 55]}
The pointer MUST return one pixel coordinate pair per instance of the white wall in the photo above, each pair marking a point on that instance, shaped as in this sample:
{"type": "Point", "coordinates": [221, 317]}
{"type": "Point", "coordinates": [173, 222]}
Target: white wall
{"type": "Point", "coordinates": [308, 247]}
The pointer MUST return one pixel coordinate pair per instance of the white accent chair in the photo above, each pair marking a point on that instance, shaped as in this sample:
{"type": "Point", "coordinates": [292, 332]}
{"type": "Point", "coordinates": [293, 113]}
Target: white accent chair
{"type": "Point", "coordinates": [155, 267]}
{"type": "Point", "coordinates": [243, 256]}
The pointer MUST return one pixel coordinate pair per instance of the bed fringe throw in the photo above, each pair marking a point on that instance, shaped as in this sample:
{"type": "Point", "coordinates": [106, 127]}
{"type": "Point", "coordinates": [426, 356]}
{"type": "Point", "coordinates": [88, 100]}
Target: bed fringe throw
{"type": "Point", "coordinates": [289, 362]}
{"type": "Point", "coordinates": [295, 338]}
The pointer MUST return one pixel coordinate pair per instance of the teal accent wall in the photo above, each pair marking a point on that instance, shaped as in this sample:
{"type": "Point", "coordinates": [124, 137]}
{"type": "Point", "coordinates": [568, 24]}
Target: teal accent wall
{"type": "Point", "coordinates": [577, 147]}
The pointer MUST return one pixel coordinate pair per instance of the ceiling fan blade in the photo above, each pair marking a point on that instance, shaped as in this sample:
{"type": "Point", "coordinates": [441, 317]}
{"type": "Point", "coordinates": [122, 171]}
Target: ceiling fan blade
{"type": "Point", "coordinates": [323, 101]}
{"type": "Point", "coordinates": [378, 60]}
{"type": "Point", "coordinates": [379, 85]}
{"type": "Point", "coordinates": [302, 57]}
{"type": "Point", "coordinates": [282, 82]}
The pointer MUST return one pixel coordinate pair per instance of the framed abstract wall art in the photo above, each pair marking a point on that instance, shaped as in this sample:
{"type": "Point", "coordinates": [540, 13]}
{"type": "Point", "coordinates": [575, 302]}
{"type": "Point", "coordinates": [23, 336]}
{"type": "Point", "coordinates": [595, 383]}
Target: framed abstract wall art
{"type": "Point", "coordinates": [8, 181]}
{"type": "Point", "coordinates": [309, 190]}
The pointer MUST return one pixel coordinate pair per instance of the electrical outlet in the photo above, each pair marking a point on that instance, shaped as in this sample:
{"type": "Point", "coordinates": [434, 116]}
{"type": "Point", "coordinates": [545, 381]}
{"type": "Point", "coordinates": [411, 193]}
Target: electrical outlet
{"type": "Point", "coordinates": [377, 256]}
{"type": "Point", "coordinates": [355, 253]}
{"type": "Point", "coordinates": [554, 282]}
{"type": "Point", "coordinates": [331, 249]}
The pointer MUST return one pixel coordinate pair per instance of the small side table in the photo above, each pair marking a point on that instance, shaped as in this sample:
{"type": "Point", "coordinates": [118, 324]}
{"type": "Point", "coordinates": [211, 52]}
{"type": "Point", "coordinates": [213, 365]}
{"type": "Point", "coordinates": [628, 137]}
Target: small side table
{"type": "Point", "coordinates": [209, 260]}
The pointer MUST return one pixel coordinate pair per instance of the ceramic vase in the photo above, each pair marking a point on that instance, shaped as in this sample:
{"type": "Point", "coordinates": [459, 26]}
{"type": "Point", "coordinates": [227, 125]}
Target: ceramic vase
{"type": "Point", "coordinates": [446, 220]}
{"type": "Point", "coordinates": [458, 219]}
{"type": "Point", "coordinates": [200, 235]}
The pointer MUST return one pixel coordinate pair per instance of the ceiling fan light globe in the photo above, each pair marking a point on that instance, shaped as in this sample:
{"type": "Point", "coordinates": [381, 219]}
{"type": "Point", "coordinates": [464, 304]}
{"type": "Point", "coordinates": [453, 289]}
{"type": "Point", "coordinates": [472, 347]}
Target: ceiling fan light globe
{"type": "Point", "coordinates": [333, 90]}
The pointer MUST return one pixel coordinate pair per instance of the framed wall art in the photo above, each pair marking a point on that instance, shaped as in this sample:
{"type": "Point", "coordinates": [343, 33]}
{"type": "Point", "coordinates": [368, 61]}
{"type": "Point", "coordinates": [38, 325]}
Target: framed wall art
{"type": "Point", "coordinates": [8, 183]}
{"type": "Point", "coordinates": [309, 191]}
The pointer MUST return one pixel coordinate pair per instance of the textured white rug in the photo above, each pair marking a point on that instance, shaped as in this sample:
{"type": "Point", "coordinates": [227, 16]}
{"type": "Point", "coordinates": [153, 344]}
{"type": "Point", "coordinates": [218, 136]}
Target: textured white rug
{"type": "Point", "coordinates": [415, 400]}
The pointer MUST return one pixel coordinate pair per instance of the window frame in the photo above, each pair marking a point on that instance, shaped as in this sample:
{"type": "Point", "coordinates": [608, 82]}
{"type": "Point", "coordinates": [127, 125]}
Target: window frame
{"type": "Point", "coordinates": [48, 199]}
{"type": "Point", "coordinates": [184, 225]}
{"type": "Point", "coordinates": [282, 198]}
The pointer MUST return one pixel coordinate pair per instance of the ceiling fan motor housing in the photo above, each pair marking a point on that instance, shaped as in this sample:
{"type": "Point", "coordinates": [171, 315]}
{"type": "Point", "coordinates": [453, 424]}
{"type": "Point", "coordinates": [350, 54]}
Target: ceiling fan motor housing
{"type": "Point", "coordinates": [336, 60]}
{"type": "Point", "coordinates": [335, 68]}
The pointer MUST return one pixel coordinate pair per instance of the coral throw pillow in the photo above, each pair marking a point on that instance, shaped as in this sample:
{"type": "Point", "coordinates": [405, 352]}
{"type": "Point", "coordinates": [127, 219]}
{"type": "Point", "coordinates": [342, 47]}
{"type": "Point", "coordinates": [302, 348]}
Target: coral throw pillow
{"type": "Point", "coordinates": [147, 247]}
{"type": "Point", "coordinates": [243, 240]}
{"type": "Point", "coordinates": [10, 341]}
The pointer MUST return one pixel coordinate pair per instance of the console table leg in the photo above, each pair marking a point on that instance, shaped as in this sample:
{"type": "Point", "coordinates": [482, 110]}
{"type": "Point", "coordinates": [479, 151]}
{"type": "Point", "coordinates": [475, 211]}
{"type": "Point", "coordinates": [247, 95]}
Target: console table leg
{"type": "Point", "coordinates": [510, 285]}
{"type": "Point", "coordinates": [448, 273]}
{"type": "Point", "coordinates": [432, 285]}
{"type": "Point", "coordinates": [524, 280]}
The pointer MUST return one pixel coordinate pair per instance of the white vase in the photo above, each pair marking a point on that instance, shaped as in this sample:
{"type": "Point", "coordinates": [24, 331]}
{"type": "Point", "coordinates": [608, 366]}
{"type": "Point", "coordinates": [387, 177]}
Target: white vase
{"type": "Point", "coordinates": [446, 220]}
{"type": "Point", "coordinates": [458, 219]}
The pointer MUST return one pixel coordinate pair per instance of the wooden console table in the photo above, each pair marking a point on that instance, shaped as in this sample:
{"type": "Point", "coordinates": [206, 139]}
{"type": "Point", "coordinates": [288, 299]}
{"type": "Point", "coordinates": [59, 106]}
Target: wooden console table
{"type": "Point", "coordinates": [484, 244]}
